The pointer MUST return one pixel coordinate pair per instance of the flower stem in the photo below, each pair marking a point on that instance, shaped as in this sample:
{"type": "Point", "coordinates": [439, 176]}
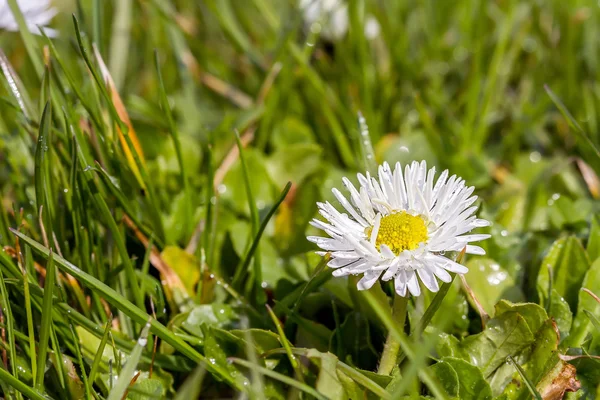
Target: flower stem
{"type": "Point", "coordinates": [392, 346]}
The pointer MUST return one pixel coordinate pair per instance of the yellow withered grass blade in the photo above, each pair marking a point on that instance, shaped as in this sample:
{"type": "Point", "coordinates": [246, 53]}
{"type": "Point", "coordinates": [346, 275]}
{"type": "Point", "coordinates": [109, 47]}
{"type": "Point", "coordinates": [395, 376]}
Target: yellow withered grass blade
{"type": "Point", "coordinates": [122, 112]}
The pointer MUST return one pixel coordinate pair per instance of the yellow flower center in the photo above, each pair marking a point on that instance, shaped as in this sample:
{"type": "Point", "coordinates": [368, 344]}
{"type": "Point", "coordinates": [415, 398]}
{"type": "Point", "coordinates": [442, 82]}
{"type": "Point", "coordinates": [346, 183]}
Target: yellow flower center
{"type": "Point", "coordinates": [400, 231]}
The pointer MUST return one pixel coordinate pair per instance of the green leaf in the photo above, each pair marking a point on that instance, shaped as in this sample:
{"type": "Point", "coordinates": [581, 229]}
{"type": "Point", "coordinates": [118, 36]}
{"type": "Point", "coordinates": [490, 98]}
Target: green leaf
{"type": "Point", "coordinates": [568, 262]}
{"type": "Point", "coordinates": [534, 315]}
{"type": "Point", "coordinates": [504, 335]}
{"type": "Point", "coordinates": [447, 376]}
{"type": "Point", "coordinates": [471, 383]}
{"type": "Point", "coordinates": [581, 324]}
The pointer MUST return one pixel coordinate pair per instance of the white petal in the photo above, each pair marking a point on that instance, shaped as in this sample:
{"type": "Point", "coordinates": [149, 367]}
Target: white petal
{"type": "Point", "coordinates": [473, 238]}
{"type": "Point", "coordinates": [413, 283]}
{"type": "Point", "coordinates": [368, 280]}
{"type": "Point", "coordinates": [428, 279]}
{"type": "Point", "coordinates": [475, 250]}
{"type": "Point", "coordinates": [400, 284]}
{"type": "Point", "coordinates": [452, 266]}
{"type": "Point", "coordinates": [386, 252]}
{"type": "Point", "coordinates": [442, 274]}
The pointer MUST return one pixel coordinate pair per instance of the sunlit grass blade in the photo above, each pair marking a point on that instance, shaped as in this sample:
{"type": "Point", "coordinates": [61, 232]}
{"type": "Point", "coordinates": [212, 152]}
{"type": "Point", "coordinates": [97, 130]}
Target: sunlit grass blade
{"type": "Point", "coordinates": [280, 377]}
{"type": "Point", "coordinates": [40, 157]}
{"type": "Point", "coordinates": [16, 87]}
{"type": "Point", "coordinates": [126, 375]}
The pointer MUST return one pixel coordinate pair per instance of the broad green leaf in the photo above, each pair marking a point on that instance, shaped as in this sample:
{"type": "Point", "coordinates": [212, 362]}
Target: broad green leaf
{"type": "Point", "coordinates": [471, 383]}
{"type": "Point", "coordinates": [147, 388]}
{"type": "Point", "coordinates": [569, 263]}
{"type": "Point", "coordinates": [581, 323]}
{"type": "Point", "coordinates": [447, 376]}
{"type": "Point", "coordinates": [504, 335]}
{"type": "Point", "coordinates": [489, 281]}
{"type": "Point", "coordinates": [534, 315]}
{"type": "Point", "coordinates": [218, 315]}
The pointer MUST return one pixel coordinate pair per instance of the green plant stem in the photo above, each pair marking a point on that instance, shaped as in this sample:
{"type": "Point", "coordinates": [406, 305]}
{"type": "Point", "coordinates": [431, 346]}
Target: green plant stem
{"type": "Point", "coordinates": [392, 346]}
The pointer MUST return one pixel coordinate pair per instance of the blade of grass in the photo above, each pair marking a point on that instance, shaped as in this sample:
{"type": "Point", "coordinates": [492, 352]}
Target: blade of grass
{"type": "Point", "coordinates": [133, 312]}
{"type": "Point", "coordinates": [46, 320]}
{"type": "Point", "coordinates": [16, 87]}
{"type": "Point", "coordinates": [126, 375]}
{"type": "Point", "coordinates": [254, 220]}
{"type": "Point", "coordinates": [187, 222]}
{"type": "Point", "coordinates": [528, 383]}
{"type": "Point", "coordinates": [280, 377]}
{"type": "Point", "coordinates": [244, 265]}
{"type": "Point", "coordinates": [98, 357]}
{"type": "Point", "coordinates": [30, 329]}
{"type": "Point", "coordinates": [86, 383]}
{"type": "Point", "coordinates": [286, 345]}
{"type": "Point", "coordinates": [10, 329]}
{"type": "Point", "coordinates": [571, 121]}
{"type": "Point", "coordinates": [28, 391]}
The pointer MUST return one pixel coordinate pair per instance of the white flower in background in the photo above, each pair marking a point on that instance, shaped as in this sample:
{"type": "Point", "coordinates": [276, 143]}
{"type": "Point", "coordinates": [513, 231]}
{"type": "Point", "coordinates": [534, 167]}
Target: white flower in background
{"type": "Point", "coordinates": [400, 226]}
{"type": "Point", "coordinates": [36, 13]}
{"type": "Point", "coordinates": [333, 17]}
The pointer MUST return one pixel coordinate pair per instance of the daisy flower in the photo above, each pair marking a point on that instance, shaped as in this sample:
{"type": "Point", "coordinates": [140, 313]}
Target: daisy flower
{"type": "Point", "coordinates": [333, 15]}
{"type": "Point", "coordinates": [36, 13]}
{"type": "Point", "coordinates": [399, 227]}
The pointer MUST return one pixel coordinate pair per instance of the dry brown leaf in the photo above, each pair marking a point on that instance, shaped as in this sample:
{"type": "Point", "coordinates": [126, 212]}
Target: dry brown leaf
{"type": "Point", "coordinates": [561, 379]}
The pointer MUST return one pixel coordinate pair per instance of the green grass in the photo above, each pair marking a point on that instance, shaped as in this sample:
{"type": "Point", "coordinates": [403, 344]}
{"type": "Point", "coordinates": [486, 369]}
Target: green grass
{"type": "Point", "coordinates": [154, 229]}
